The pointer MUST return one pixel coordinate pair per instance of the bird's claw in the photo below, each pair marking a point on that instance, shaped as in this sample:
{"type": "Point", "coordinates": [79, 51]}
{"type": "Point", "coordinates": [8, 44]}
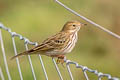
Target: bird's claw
{"type": "Point", "coordinates": [60, 61]}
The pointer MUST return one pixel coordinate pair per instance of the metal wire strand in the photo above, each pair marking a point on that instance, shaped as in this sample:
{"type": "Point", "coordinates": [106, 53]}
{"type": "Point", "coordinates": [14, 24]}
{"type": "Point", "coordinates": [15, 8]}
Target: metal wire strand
{"type": "Point", "coordinates": [43, 67]}
{"type": "Point", "coordinates": [68, 62]}
{"type": "Point", "coordinates": [4, 56]}
{"type": "Point", "coordinates": [84, 68]}
{"type": "Point", "coordinates": [69, 71]}
{"type": "Point", "coordinates": [1, 74]}
{"type": "Point", "coordinates": [30, 61]}
{"type": "Point", "coordinates": [59, 73]}
{"type": "Point", "coordinates": [17, 60]}
{"type": "Point", "coordinates": [14, 34]}
{"type": "Point", "coordinates": [86, 76]}
{"type": "Point", "coordinates": [88, 20]}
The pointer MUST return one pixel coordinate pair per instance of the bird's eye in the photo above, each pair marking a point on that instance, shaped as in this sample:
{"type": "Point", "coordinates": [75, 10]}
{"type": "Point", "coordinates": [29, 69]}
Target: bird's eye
{"type": "Point", "coordinates": [74, 25]}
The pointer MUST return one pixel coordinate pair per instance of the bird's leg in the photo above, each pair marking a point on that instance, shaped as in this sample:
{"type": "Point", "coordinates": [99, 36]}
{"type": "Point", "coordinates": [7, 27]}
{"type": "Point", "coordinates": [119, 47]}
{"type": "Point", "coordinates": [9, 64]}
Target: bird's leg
{"type": "Point", "coordinates": [60, 59]}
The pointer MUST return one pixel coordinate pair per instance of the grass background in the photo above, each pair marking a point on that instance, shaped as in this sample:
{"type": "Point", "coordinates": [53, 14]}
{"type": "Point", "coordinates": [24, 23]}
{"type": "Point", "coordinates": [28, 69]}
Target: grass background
{"type": "Point", "coordinates": [38, 19]}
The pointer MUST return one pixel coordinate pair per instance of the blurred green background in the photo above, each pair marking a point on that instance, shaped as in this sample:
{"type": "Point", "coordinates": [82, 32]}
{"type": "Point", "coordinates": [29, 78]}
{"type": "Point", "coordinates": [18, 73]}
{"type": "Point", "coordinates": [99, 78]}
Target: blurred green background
{"type": "Point", "coordinates": [38, 19]}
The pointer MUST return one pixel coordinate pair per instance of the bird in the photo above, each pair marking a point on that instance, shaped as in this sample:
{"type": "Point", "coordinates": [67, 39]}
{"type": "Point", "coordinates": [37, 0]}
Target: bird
{"type": "Point", "coordinates": [59, 44]}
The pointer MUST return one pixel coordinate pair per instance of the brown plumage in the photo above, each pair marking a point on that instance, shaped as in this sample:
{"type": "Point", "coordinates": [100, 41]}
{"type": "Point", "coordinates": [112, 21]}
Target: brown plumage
{"type": "Point", "coordinates": [59, 44]}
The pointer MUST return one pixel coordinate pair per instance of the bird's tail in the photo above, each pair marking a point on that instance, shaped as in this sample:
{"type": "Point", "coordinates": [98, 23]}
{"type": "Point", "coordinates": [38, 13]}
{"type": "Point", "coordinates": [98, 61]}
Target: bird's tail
{"type": "Point", "coordinates": [23, 53]}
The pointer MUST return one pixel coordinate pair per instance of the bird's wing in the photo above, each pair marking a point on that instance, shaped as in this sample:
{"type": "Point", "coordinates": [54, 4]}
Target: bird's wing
{"type": "Point", "coordinates": [54, 42]}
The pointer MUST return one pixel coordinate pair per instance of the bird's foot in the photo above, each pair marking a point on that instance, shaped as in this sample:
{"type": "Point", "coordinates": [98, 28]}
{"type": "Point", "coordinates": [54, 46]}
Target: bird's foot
{"type": "Point", "coordinates": [61, 59]}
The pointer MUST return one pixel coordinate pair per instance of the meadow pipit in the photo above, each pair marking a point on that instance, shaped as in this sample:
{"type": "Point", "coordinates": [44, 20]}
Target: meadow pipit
{"type": "Point", "coordinates": [59, 44]}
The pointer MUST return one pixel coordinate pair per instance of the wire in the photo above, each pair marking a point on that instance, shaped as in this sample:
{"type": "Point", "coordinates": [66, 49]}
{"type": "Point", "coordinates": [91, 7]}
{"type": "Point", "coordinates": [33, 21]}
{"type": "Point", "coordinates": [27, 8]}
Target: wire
{"type": "Point", "coordinates": [88, 20]}
{"type": "Point", "coordinates": [68, 62]}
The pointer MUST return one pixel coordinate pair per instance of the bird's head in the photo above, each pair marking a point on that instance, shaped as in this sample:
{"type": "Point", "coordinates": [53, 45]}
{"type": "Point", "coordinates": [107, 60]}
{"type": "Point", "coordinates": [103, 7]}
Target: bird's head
{"type": "Point", "coordinates": [72, 26]}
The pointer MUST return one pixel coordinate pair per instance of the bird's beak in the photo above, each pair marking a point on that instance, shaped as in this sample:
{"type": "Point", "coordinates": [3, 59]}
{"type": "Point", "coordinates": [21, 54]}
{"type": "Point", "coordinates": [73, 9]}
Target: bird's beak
{"type": "Point", "coordinates": [83, 24]}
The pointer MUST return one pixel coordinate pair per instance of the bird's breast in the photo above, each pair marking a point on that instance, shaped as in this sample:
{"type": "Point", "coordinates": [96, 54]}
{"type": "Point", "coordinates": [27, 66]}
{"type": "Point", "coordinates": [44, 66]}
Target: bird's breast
{"type": "Point", "coordinates": [68, 47]}
{"type": "Point", "coordinates": [71, 44]}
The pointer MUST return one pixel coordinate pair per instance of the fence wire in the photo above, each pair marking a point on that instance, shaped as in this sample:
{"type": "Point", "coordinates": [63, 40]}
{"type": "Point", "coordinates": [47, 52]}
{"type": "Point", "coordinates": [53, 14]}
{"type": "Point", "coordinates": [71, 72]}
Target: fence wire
{"type": "Point", "coordinates": [13, 34]}
{"type": "Point", "coordinates": [68, 62]}
{"type": "Point", "coordinates": [1, 74]}
{"type": "Point", "coordinates": [88, 20]}
{"type": "Point", "coordinates": [4, 56]}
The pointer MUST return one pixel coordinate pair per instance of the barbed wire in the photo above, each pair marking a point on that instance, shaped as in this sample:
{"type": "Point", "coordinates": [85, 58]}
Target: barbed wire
{"type": "Point", "coordinates": [88, 20]}
{"type": "Point", "coordinates": [68, 62]}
